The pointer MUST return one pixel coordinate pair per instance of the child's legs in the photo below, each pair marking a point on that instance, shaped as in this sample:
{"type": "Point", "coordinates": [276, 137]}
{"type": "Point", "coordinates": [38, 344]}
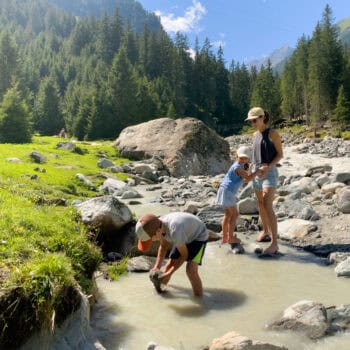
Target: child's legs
{"type": "Point", "coordinates": [225, 224]}
{"type": "Point", "coordinates": [232, 215]}
{"type": "Point", "coordinates": [193, 276]}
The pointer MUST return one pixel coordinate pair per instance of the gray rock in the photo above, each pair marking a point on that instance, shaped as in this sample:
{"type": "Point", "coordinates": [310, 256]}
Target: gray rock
{"type": "Point", "coordinates": [13, 160]}
{"type": "Point", "coordinates": [342, 177]}
{"type": "Point", "coordinates": [68, 146]}
{"type": "Point", "coordinates": [154, 346]}
{"type": "Point", "coordinates": [308, 213]}
{"type": "Point", "coordinates": [332, 187]}
{"type": "Point", "coordinates": [295, 228]}
{"type": "Point", "coordinates": [343, 268]}
{"type": "Point", "coordinates": [339, 318]}
{"type": "Point", "coordinates": [318, 169]}
{"type": "Point", "coordinates": [343, 200]}
{"type": "Point", "coordinates": [85, 180]}
{"type": "Point", "coordinates": [186, 146]}
{"type": "Point", "coordinates": [248, 206]}
{"type": "Point", "coordinates": [106, 212]}
{"type": "Point", "coordinates": [129, 194]}
{"type": "Point", "coordinates": [305, 316]}
{"type": "Point", "coordinates": [338, 257]}
{"type": "Point", "coordinates": [37, 157]}
{"type": "Point", "coordinates": [140, 263]}
{"type": "Point", "coordinates": [104, 163]}
{"type": "Point", "coordinates": [112, 185]}
{"type": "Point", "coordinates": [235, 341]}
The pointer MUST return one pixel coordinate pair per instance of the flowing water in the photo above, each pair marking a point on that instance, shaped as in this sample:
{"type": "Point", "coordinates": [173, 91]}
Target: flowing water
{"type": "Point", "coordinates": [242, 293]}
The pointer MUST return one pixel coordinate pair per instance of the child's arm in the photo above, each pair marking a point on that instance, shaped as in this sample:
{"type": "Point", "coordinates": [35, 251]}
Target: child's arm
{"type": "Point", "coordinates": [246, 176]}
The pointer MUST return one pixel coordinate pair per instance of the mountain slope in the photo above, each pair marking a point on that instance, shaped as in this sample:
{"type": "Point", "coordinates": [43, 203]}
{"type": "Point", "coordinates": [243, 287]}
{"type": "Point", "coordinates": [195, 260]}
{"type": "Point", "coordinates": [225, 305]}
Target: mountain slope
{"type": "Point", "coordinates": [128, 9]}
{"type": "Point", "coordinates": [276, 57]}
{"type": "Point", "coordinates": [344, 27]}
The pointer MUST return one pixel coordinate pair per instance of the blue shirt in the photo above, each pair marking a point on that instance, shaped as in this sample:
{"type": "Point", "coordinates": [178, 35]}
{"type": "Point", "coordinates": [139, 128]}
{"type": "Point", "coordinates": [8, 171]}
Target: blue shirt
{"type": "Point", "coordinates": [232, 180]}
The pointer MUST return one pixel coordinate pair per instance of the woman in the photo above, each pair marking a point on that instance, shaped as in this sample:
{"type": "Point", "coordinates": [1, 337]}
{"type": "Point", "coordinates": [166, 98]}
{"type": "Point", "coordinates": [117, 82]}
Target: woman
{"type": "Point", "coordinates": [267, 152]}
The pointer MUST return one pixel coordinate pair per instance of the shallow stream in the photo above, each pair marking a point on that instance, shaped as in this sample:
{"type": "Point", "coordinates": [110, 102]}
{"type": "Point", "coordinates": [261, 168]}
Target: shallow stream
{"type": "Point", "coordinates": [242, 293]}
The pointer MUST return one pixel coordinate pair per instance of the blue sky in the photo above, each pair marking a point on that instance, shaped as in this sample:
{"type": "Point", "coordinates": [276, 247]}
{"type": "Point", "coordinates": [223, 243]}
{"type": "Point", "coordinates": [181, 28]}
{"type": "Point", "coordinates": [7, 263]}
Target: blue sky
{"type": "Point", "coordinates": [246, 29]}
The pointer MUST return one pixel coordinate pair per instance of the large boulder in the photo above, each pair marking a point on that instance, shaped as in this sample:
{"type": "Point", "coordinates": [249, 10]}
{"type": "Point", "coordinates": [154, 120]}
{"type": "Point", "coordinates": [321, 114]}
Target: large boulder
{"type": "Point", "coordinates": [186, 146]}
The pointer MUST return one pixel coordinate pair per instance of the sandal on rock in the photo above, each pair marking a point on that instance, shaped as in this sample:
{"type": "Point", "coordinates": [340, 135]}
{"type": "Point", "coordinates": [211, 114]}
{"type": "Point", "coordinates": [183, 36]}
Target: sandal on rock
{"type": "Point", "coordinates": [237, 248]}
{"type": "Point", "coordinates": [266, 238]}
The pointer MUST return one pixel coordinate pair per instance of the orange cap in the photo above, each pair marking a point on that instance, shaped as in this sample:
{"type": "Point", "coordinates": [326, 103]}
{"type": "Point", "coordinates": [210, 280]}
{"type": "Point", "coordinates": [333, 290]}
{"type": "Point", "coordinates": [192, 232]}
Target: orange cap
{"type": "Point", "coordinates": [146, 227]}
{"type": "Point", "coordinates": [144, 245]}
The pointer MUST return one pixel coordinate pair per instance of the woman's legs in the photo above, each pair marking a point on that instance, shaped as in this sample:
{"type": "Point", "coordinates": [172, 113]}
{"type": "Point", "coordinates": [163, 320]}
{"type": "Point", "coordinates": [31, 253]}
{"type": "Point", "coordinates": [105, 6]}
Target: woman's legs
{"type": "Point", "coordinates": [263, 216]}
{"type": "Point", "coordinates": [228, 225]}
{"type": "Point", "coordinates": [268, 217]}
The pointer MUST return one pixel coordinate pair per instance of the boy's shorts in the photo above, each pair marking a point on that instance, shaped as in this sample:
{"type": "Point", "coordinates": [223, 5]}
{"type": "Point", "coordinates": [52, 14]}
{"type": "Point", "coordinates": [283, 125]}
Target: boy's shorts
{"type": "Point", "coordinates": [195, 251]}
{"type": "Point", "coordinates": [225, 198]}
{"type": "Point", "coordinates": [271, 180]}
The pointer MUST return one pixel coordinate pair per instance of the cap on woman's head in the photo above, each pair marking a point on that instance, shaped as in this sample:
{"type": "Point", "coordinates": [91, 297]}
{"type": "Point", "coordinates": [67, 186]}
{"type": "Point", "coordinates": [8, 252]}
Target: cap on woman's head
{"type": "Point", "coordinates": [146, 228]}
{"type": "Point", "coordinates": [244, 151]}
{"type": "Point", "coordinates": [255, 113]}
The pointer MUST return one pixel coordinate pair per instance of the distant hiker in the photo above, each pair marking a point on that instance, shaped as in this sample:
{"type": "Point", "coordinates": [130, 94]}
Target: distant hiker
{"type": "Point", "coordinates": [226, 196]}
{"type": "Point", "coordinates": [188, 235]}
{"type": "Point", "coordinates": [267, 152]}
{"type": "Point", "coordinates": [62, 133]}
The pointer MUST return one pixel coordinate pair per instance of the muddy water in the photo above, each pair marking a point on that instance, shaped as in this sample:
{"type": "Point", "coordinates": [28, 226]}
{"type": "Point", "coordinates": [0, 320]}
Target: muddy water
{"type": "Point", "coordinates": [242, 293]}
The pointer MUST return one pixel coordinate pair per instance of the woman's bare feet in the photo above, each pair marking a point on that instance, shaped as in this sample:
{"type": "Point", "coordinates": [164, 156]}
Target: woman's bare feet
{"type": "Point", "coordinates": [235, 239]}
{"type": "Point", "coordinates": [272, 249]}
{"type": "Point", "coordinates": [224, 239]}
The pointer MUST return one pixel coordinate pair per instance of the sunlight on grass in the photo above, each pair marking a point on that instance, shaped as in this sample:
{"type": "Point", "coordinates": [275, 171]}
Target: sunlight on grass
{"type": "Point", "coordinates": [44, 248]}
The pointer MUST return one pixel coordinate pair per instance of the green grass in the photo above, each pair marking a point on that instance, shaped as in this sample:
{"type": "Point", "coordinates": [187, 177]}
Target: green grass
{"type": "Point", "coordinates": [44, 248]}
{"type": "Point", "coordinates": [345, 135]}
{"type": "Point", "coordinates": [117, 269]}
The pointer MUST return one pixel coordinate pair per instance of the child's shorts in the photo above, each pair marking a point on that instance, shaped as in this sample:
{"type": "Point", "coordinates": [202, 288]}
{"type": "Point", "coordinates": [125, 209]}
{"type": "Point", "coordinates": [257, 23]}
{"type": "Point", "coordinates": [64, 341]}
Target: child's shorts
{"type": "Point", "coordinates": [271, 180]}
{"type": "Point", "coordinates": [195, 251]}
{"type": "Point", "coordinates": [225, 198]}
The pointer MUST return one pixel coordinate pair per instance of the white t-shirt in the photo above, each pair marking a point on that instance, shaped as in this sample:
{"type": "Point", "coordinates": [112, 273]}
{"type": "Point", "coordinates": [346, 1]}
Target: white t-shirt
{"type": "Point", "coordinates": [183, 228]}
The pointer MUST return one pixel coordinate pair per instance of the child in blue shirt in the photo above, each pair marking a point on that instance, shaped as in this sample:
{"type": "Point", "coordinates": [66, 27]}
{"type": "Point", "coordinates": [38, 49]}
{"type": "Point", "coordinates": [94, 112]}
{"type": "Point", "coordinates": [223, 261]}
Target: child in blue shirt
{"type": "Point", "coordinates": [226, 196]}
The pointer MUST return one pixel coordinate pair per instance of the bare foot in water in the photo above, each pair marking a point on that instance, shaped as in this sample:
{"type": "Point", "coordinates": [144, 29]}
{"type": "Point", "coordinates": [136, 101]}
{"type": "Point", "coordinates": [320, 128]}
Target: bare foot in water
{"type": "Point", "coordinates": [272, 249]}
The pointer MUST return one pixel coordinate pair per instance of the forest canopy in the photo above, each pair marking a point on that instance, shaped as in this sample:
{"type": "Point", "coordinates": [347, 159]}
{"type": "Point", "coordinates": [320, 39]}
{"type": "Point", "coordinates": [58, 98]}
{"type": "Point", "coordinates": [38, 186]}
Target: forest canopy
{"type": "Point", "coordinates": [96, 75]}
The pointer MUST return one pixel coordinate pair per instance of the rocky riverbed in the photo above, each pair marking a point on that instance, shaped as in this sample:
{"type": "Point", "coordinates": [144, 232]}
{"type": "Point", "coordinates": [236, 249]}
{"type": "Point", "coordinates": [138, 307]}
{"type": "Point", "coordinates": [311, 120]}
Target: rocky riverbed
{"type": "Point", "coordinates": [312, 205]}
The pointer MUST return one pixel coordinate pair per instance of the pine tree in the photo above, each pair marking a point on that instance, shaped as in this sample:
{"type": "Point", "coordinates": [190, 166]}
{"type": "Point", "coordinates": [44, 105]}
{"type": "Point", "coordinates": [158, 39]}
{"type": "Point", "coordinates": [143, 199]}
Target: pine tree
{"type": "Point", "coordinates": [47, 115]}
{"type": "Point", "coordinates": [122, 88]}
{"type": "Point", "coordinates": [289, 103]}
{"type": "Point", "coordinates": [240, 90]}
{"type": "Point", "coordinates": [266, 92]}
{"type": "Point", "coordinates": [8, 61]}
{"type": "Point", "coordinates": [341, 114]}
{"type": "Point", "coordinates": [301, 71]}
{"type": "Point", "coordinates": [15, 126]}
{"type": "Point", "coordinates": [315, 80]}
{"type": "Point", "coordinates": [223, 110]}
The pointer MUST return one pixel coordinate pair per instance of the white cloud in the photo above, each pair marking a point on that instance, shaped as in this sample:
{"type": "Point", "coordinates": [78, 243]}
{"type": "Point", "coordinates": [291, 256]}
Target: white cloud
{"type": "Point", "coordinates": [188, 22]}
{"type": "Point", "coordinates": [192, 53]}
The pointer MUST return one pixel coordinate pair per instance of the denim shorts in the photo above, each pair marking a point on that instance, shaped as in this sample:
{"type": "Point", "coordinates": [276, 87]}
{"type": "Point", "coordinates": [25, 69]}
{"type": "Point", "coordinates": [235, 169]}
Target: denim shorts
{"type": "Point", "coordinates": [271, 180]}
{"type": "Point", "coordinates": [225, 198]}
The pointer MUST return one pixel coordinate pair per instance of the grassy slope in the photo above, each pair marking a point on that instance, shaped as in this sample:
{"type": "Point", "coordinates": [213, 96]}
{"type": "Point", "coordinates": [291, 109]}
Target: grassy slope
{"type": "Point", "coordinates": [44, 249]}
